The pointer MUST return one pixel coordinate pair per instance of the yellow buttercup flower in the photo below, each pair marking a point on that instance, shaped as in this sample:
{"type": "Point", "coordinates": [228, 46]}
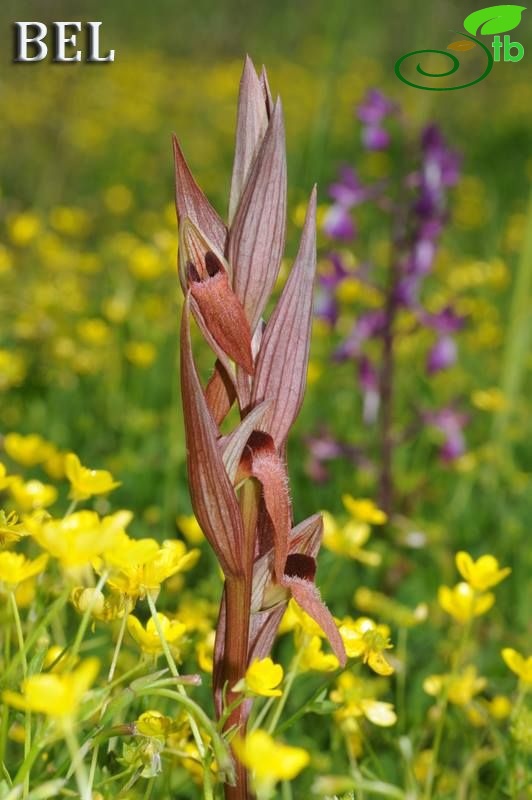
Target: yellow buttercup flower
{"type": "Point", "coordinates": [139, 566]}
{"type": "Point", "coordinates": [79, 538]}
{"type": "Point", "coordinates": [481, 574]}
{"type": "Point", "coordinates": [520, 665]}
{"type": "Point", "coordinates": [154, 724]}
{"type": "Point", "coordinates": [262, 678]}
{"type": "Point", "coordinates": [148, 638]}
{"type": "Point", "coordinates": [313, 658]}
{"type": "Point", "coordinates": [356, 698]}
{"type": "Point", "coordinates": [364, 510]}
{"type": "Point", "coordinates": [205, 652]}
{"type": "Point", "coordinates": [23, 228]}
{"type": "Point", "coordinates": [140, 354]}
{"type": "Point", "coordinates": [85, 482]}
{"type": "Point", "coordinates": [190, 528]}
{"type": "Point", "coordinates": [15, 567]}
{"type": "Point", "coordinates": [11, 528]}
{"type": "Point", "coordinates": [463, 603]}
{"type": "Point", "coordinates": [349, 539]}
{"type": "Point", "coordinates": [460, 688]}
{"type": "Point", "coordinates": [489, 399]}
{"type": "Point", "coordinates": [499, 707]}
{"type": "Point", "coordinates": [31, 495]}
{"type": "Point", "coordinates": [27, 450]}
{"type": "Point", "coordinates": [269, 760]}
{"type": "Point", "coordinates": [4, 480]}
{"type": "Point", "coordinates": [103, 607]}
{"type": "Point", "coordinates": [55, 694]}
{"type": "Point", "coordinates": [363, 638]}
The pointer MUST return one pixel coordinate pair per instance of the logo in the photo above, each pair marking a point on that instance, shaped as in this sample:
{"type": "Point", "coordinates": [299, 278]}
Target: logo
{"type": "Point", "coordinates": [486, 22]}
{"type": "Point", "coordinates": [31, 42]}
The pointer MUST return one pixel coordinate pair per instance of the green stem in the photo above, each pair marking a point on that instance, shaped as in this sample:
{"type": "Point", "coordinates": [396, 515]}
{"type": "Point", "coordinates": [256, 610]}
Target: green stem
{"type": "Point", "coordinates": [402, 652]}
{"type": "Point", "coordinates": [443, 706]}
{"type": "Point", "coordinates": [36, 633]}
{"type": "Point", "coordinates": [87, 615]}
{"type": "Point", "coordinates": [110, 675]}
{"type": "Point", "coordinates": [218, 744]}
{"type": "Point", "coordinates": [72, 507]}
{"type": "Point", "coordinates": [207, 777]}
{"type": "Point", "coordinates": [290, 678]}
{"type": "Point", "coordinates": [27, 714]}
{"type": "Point", "coordinates": [77, 763]}
{"type": "Point", "coordinates": [514, 363]}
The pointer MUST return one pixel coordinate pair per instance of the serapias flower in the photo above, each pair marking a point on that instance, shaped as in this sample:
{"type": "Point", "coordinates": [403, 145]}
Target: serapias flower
{"type": "Point", "coordinates": [269, 760]}
{"type": "Point", "coordinates": [363, 638]}
{"type": "Point", "coordinates": [463, 603]}
{"type": "Point", "coordinates": [481, 574]}
{"type": "Point", "coordinates": [519, 664]}
{"type": "Point", "coordinates": [227, 273]}
{"type": "Point", "coordinates": [85, 482]}
{"type": "Point", "coordinates": [148, 637]}
{"type": "Point", "coordinates": [262, 678]}
{"type": "Point", "coordinates": [55, 694]}
{"type": "Point", "coordinates": [16, 568]}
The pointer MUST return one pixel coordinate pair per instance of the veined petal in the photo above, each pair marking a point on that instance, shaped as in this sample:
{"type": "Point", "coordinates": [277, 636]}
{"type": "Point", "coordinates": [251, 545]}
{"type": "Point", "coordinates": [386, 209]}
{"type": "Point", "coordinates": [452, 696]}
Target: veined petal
{"type": "Point", "coordinates": [192, 203]}
{"type": "Point", "coordinates": [204, 272]}
{"type": "Point", "coordinates": [257, 234]}
{"type": "Point", "coordinates": [252, 122]}
{"type": "Point", "coordinates": [220, 392]}
{"type": "Point", "coordinates": [283, 358]}
{"type": "Point", "coordinates": [306, 537]}
{"type": "Point", "coordinates": [213, 498]}
{"type": "Point", "coordinates": [233, 445]}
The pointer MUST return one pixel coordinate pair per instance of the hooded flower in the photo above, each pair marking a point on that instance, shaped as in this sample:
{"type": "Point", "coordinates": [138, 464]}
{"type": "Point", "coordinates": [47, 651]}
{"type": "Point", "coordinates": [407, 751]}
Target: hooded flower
{"type": "Point", "coordinates": [239, 482]}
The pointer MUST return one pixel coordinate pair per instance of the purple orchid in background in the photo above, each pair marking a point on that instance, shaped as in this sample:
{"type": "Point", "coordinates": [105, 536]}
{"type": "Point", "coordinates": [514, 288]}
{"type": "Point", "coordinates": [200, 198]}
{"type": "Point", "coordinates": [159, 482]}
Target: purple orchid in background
{"type": "Point", "coordinates": [417, 219]}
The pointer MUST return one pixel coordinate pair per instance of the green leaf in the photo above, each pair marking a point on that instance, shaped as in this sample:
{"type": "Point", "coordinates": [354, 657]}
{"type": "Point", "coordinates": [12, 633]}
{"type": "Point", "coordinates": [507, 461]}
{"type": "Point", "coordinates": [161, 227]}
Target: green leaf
{"type": "Point", "coordinates": [495, 19]}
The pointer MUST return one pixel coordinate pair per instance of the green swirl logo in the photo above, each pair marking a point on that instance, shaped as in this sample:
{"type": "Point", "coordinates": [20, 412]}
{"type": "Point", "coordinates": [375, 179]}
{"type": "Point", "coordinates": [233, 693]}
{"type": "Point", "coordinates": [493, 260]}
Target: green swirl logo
{"type": "Point", "coordinates": [492, 20]}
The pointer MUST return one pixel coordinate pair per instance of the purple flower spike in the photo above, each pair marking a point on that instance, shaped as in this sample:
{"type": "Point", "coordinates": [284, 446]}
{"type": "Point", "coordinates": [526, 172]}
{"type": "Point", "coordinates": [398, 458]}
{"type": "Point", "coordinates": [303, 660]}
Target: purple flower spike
{"type": "Point", "coordinates": [375, 138]}
{"type": "Point", "coordinates": [338, 224]}
{"type": "Point", "coordinates": [444, 322]}
{"type": "Point", "coordinates": [451, 423]}
{"type": "Point", "coordinates": [442, 355]}
{"type": "Point", "coordinates": [374, 107]}
{"type": "Point", "coordinates": [348, 191]}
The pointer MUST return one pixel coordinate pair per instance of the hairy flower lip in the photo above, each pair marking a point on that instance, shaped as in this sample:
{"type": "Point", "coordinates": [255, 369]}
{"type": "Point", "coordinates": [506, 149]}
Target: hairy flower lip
{"type": "Point", "coordinates": [206, 275]}
{"type": "Point", "coordinates": [261, 460]}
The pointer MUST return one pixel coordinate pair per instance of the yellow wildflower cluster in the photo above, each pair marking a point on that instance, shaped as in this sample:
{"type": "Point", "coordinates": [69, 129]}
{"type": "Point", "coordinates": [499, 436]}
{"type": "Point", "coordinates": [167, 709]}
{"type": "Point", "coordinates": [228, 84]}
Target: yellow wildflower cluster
{"type": "Point", "coordinates": [348, 539]}
{"type": "Point", "coordinates": [469, 598]}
